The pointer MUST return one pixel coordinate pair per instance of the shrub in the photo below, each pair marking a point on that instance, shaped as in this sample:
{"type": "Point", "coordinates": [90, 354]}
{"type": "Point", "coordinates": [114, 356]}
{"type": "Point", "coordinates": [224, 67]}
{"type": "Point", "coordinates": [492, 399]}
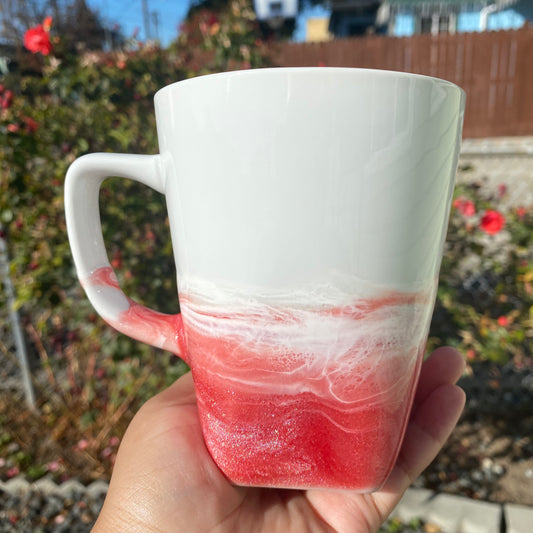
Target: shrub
{"type": "Point", "coordinates": [61, 108]}
{"type": "Point", "coordinates": [485, 297]}
{"type": "Point", "coordinates": [95, 376]}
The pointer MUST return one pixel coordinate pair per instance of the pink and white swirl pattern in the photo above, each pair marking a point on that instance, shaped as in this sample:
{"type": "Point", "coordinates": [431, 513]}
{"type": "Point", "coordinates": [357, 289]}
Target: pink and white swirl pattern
{"type": "Point", "coordinates": [305, 389]}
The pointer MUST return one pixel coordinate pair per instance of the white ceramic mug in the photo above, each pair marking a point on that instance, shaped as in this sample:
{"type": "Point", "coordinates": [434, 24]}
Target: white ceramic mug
{"type": "Point", "coordinates": [308, 209]}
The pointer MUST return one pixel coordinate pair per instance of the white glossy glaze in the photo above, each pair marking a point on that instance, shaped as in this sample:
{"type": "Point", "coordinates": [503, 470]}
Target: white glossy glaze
{"type": "Point", "coordinates": [281, 176]}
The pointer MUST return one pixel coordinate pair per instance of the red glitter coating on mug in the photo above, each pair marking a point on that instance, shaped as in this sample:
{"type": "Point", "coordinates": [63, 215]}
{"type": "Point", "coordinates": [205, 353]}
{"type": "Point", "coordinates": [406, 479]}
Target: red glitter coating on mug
{"type": "Point", "coordinates": [139, 322]}
{"type": "Point", "coordinates": [284, 403]}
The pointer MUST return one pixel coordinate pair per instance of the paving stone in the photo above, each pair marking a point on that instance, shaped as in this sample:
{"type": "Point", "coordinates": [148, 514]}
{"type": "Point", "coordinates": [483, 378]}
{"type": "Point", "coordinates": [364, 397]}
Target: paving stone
{"type": "Point", "coordinates": [414, 504]}
{"type": "Point", "coordinates": [16, 485]}
{"type": "Point", "coordinates": [97, 488]}
{"type": "Point", "coordinates": [71, 488]}
{"type": "Point", "coordinates": [45, 485]}
{"type": "Point", "coordinates": [456, 514]}
{"type": "Point", "coordinates": [445, 512]}
{"type": "Point", "coordinates": [481, 517]}
{"type": "Point", "coordinates": [518, 518]}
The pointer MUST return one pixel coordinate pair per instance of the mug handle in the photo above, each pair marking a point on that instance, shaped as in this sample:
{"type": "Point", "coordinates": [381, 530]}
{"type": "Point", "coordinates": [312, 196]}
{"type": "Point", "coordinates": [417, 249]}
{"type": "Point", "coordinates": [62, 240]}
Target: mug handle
{"type": "Point", "coordinates": [82, 185]}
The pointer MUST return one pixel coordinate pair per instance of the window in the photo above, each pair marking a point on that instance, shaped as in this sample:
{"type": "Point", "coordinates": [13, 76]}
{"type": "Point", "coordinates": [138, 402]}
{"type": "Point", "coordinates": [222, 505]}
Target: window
{"type": "Point", "coordinates": [435, 23]}
{"type": "Point", "coordinates": [275, 9]}
{"type": "Point", "coordinates": [425, 24]}
{"type": "Point", "coordinates": [444, 23]}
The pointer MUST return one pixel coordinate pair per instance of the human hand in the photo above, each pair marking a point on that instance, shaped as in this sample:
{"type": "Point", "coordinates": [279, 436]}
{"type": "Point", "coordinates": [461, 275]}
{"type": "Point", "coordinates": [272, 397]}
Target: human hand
{"type": "Point", "coordinates": [164, 479]}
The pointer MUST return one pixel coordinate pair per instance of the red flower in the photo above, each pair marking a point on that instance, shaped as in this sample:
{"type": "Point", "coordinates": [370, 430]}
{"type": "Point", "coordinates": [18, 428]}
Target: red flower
{"type": "Point", "coordinates": [47, 24]}
{"type": "Point", "coordinates": [464, 206]}
{"type": "Point", "coordinates": [212, 20]}
{"type": "Point", "coordinates": [503, 321]}
{"type": "Point", "coordinates": [521, 212]}
{"type": "Point", "coordinates": [106, 452]}
{"type": "Point", "coordinates": [492, 222]}
{"type": "Point", "coordinates": [82, 445]}
{"type": "Point", "coordinates": [37, 39]}
{"type": "Point", "coordinates": [13, 471]}
{"type": "Point", "coordinates": [116, 262]}
{"type": "Point", "coordinates": [7, 100]}
{"type": "Point", "coordinates": [31, 125]}
{"type": "Point", "coordinates": [52, 466]}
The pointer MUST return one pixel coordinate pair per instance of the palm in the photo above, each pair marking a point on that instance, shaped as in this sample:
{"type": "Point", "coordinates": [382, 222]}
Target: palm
{"type": "Point", "coordinates": [164, 479]}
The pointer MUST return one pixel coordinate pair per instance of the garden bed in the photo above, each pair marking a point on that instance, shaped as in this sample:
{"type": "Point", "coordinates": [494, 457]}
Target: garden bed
{"type": "Point", "coordinates": [91, 380]}
{"type": "Point", "coordinates": [489, 456]}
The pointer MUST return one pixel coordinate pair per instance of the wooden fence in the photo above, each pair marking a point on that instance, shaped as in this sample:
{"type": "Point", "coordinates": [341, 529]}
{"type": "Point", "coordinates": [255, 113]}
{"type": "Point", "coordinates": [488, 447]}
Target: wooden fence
{"type": "Point", "coordinates": [494, 68]}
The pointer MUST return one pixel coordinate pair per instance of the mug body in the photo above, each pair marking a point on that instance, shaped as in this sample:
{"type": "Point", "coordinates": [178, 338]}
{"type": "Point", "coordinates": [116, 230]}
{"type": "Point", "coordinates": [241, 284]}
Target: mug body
{"type": "Point", "coordinates": [308, 209]}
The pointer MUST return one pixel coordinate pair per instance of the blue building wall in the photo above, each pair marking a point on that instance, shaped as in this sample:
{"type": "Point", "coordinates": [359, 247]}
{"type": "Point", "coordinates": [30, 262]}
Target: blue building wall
{"type": "Point", "coordinates": [505, 20]}
{"type": "Point", "coordinates": [404, 25]}
{"type": "Point", "coordinates": [468, 21]}
{"type": "Point", "coordinates": [509, 19]}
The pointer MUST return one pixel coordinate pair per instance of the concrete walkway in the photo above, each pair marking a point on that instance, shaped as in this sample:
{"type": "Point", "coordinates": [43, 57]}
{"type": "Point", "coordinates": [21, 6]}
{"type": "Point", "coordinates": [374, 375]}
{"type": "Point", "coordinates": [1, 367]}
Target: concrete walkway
{"type": "Point", "coordinates": [456, 514]}
{"type": "Point", "coordinates": [451, 514]}
{"type": "Point", "coordinates": [500, 161]}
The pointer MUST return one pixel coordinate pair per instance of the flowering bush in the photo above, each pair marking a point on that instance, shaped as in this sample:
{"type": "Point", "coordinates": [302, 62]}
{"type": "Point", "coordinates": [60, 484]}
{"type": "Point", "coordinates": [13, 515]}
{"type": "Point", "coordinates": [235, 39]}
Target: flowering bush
{"type": "Point", "coordinates": [485, 297]}
{"type": "Point", "coordinates": [222, 40]}
{"type": "Point", "coordinates": [93, 377]}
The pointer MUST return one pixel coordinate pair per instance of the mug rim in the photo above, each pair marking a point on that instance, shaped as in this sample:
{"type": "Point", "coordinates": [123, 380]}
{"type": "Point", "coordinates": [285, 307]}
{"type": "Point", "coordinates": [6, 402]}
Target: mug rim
{"type": "Point", "coordinates": [392, 74]}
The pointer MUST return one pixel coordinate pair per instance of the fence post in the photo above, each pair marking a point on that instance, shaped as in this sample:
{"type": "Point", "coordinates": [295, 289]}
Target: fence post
{"type": "Point", "coordinates": [16, 328]}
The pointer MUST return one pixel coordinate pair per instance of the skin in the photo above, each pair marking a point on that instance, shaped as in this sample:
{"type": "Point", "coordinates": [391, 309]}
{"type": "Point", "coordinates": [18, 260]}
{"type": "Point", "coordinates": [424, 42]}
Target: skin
{"type": "Point", "coordinates": [164, 480]}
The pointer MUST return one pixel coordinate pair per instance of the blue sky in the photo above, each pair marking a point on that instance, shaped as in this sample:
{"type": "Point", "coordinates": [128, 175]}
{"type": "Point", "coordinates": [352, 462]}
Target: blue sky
{"type": "Point", "coordinates": [129, 15]}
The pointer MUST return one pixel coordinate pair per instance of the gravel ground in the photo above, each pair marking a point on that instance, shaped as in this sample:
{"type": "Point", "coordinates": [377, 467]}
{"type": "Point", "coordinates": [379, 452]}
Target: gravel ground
{"type": "Point", "coordinates": [489, 456]}
{"type": "Point", "coordinates": [40, 511]}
